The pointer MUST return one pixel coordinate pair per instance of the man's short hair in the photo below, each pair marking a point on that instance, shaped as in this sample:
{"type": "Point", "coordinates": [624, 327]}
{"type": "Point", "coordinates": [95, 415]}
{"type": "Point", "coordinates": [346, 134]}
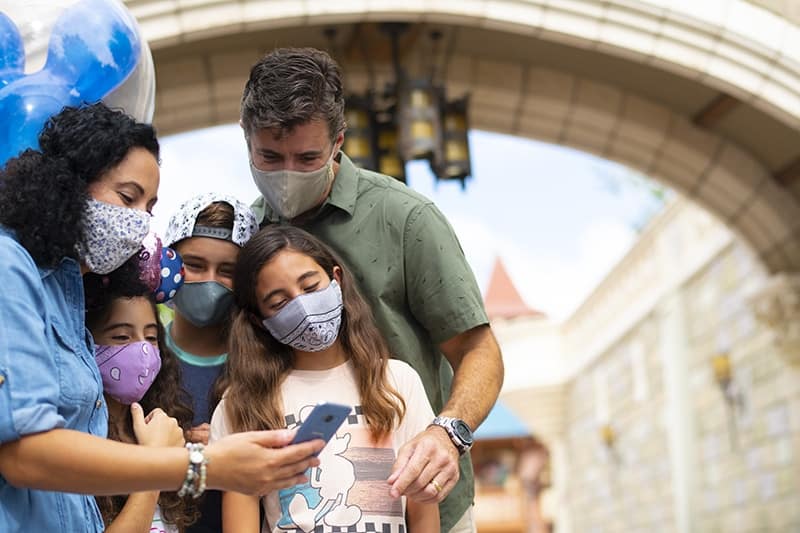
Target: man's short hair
{"type": "Point", "coordinates": [289, 87]}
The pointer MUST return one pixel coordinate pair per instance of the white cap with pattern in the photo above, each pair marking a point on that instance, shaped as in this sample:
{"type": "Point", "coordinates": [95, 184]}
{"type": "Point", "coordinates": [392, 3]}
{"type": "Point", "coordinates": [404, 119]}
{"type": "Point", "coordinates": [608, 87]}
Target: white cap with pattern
{"type": "Point", "coordinates": [182, 222]}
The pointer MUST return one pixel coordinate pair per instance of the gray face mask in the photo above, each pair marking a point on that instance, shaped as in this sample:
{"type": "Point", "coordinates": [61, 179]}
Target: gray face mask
{"type": "Point", "coordinates": [204, 303]}
{"type": "Point", "coordinates": [290, 192]}
{"type": "Point", "coordinates": [310, 322]}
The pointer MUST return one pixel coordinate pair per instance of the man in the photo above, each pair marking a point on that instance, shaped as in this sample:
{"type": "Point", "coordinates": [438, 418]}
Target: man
{"type": "Point", "coordinates": [207, 231]}
{"type": "Point", "coordinates": [406, 258]}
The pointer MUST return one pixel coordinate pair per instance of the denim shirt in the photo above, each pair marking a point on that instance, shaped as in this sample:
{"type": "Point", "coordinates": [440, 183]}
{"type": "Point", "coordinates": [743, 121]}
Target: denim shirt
{"type": "Point", "coordinates": [48, 380]}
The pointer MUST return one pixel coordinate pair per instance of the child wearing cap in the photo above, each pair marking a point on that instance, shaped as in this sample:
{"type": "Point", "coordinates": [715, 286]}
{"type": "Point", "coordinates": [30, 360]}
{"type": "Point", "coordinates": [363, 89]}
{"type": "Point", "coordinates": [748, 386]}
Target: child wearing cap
{"type": "Point", "coordinates": [207, 231]}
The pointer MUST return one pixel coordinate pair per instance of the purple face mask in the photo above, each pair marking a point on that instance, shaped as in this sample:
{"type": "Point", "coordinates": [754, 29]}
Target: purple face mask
{"type": "Point", "coordinates": [128, 370]}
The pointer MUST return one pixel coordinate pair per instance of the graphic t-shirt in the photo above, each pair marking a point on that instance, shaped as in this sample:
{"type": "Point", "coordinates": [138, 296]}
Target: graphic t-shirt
{"type": "Point", "coordinates": [348, 490]}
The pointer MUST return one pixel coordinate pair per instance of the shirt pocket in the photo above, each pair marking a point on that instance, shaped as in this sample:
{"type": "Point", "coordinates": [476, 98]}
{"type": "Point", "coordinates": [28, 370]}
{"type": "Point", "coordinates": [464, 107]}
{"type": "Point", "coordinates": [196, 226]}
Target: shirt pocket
{"type": "Point", "coordinates": [76, 377]}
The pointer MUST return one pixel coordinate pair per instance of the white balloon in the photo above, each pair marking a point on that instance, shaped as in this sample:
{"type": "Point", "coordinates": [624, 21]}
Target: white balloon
{"type": "Point", "coordinates": [35, 20]}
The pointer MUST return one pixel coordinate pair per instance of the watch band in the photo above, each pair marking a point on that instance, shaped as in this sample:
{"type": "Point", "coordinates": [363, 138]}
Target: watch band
{"type": "Point", "coordinates": [459, 432]}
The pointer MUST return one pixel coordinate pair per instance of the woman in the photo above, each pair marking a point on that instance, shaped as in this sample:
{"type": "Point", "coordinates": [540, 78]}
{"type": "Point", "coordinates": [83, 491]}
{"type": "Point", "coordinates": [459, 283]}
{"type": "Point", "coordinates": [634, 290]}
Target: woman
{"type": "Point", "coordinates": [80, 205]}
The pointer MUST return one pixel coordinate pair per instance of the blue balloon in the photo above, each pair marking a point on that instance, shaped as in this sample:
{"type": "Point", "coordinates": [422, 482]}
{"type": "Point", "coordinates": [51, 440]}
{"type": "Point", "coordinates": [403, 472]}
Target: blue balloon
{"type": "Point", "coordinates": [12, 54]}
{"type": "Point", "coordinates": [93, 48]}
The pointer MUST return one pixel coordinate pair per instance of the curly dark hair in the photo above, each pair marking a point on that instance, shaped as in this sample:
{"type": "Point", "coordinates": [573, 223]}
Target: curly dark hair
{"type": "Point", "coordinates": [166, 393]}
{"type": "Point", "coordinates": [291, 86]}
{"type": "Point", "coordinates": [43, 193]}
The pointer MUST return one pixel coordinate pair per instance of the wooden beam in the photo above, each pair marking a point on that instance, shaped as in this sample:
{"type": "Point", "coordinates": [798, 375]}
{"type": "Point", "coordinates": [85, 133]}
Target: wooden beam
{"type": "Point", "coordinates": [715, 111]}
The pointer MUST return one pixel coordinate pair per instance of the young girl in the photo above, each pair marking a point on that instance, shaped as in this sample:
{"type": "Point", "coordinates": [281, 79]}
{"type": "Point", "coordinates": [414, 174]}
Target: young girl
{"type": "Point", "coordinates": [136, 367]}
{"type": "Point", "coordinates": [302, 334]}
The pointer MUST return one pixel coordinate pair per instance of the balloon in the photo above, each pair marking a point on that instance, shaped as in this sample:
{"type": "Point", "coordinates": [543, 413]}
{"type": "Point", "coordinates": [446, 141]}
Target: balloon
{"type": "Point", "coordinates": [65, 53]}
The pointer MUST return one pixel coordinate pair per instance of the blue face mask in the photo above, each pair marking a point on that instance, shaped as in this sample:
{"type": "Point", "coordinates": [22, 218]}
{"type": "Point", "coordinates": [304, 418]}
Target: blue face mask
{"type": "Point", "coordinates": [310, 322]}
{"type": "Point", "coordinates": [204, 303]}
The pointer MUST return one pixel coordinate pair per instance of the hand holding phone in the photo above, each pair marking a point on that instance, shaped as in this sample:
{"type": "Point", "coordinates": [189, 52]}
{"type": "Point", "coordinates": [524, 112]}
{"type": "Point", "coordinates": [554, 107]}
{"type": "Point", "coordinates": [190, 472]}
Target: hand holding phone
{"type": "Point", "coordinates": [322, 422]}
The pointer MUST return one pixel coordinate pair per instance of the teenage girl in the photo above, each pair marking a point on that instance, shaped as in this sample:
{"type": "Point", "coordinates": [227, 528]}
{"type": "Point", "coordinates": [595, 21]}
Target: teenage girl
{"type": "Point", "coordinates": [302, 334]}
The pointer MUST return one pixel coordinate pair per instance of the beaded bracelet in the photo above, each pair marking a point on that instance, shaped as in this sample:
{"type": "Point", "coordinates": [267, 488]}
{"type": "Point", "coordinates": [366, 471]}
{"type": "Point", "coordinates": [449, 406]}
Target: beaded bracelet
{"type": "Point", "coordinates": [194, 484]}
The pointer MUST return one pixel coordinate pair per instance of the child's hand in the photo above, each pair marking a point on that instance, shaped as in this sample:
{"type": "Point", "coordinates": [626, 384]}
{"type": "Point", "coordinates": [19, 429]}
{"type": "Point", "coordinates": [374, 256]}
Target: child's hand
{"type": "Point", "coordinates": [199, 433]}
{"type": "Point", "coordinates": [157, 429]}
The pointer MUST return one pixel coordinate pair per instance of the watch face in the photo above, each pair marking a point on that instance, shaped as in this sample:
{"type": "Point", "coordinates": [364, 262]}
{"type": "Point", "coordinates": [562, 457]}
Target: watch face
{"type": "Point", "coordinates": [463, 431]}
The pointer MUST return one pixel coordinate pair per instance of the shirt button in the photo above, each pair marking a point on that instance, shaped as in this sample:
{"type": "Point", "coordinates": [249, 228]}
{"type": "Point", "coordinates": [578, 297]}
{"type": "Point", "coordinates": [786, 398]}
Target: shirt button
{"type": "Point", "coordinates": [2, 379]}
{"type": "Point", "coordinates": [99, 404]}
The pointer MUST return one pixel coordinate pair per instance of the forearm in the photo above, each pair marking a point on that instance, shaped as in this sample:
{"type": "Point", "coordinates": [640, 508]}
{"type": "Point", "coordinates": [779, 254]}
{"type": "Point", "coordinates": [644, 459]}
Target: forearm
{"type": "Point", "coordinates": [478, 375]}
{"type": "Point", "coordinates": [71, 461]}
{"type": "Point", "coordinates": [137, 514]}
{"type": "Point", "coordinates": [422, 517]}
{"type": "Point", "coordinates": [240, 513]}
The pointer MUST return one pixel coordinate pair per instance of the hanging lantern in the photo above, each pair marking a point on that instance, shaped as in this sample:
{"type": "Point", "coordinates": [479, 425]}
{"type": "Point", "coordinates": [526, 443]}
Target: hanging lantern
{"type": "Point", "coordinates": [455, 161]}
{"type": "Point", "coordinates": [420, 121]}
{"type": "Point", "coordinates": [389, 160]}
{"type": "Point", "coordinates": [359, 140]}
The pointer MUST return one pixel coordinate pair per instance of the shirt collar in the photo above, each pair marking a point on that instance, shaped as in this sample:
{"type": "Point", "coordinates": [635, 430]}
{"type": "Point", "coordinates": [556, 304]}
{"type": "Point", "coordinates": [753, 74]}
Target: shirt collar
{"type": "Point", "coordinates": [189, 358]}
{"type": "Point", "coordinates": [67, 264]}
{"type": "Point", "coordinates": [342, 196]}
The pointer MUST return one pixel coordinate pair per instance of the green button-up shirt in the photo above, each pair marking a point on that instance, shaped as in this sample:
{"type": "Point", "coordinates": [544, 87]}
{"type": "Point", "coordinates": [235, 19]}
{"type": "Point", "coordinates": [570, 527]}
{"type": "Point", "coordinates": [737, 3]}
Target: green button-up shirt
{"type": "Point", "coordinates": [413, 273]}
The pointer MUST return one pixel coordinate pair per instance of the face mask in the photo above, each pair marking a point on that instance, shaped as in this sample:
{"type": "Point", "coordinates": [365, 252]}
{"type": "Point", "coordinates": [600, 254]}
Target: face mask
{"type": "Point", "coordinates": [290, 192]}
{"type": "Point", "coordinates": [204, 303]}
{"type": "Point", "coordinates": [112, 235]}
{"type": "Point", "coordinates": [310, 322]}
{"type": "Point", "coordinates": [128, 370]}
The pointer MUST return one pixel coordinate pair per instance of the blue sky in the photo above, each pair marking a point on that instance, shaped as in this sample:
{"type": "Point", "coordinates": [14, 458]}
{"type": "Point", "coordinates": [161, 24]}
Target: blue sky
{"type": "Point", "coordinates": [560, 219]}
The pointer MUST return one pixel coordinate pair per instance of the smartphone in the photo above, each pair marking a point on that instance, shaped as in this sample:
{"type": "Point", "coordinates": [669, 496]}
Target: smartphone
{"type": "Point", "coordinates": [322, 422]}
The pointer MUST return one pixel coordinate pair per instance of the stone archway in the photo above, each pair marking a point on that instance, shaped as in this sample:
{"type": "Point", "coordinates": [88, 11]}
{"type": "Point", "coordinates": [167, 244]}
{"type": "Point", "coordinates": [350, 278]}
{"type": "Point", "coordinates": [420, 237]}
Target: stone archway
{"type": "Point", "coordinates": [669, 88]}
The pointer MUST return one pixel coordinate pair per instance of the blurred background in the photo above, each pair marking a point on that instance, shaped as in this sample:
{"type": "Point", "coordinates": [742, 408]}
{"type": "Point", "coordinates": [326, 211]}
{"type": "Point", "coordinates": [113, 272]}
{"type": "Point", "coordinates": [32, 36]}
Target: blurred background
{"type": "Point", "coordinates": [624, 177]}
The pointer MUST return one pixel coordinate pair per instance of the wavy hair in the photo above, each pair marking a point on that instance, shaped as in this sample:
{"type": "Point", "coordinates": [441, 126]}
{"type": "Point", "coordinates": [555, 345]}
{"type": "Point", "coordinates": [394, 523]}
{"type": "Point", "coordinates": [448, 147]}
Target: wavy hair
{"type": "Point", "coordinates": [166, 393]}
{"type": "Point", "coordinates": [43, 193]}
{"type": "Point", "coordinates": [292, 86]}
{"type": "Point", "coordinates": [257, 363]}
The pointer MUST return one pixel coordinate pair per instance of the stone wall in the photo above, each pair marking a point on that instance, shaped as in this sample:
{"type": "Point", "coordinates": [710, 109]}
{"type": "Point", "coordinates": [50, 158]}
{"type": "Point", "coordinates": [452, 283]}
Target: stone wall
{"type": "Point", "coordinates": [685, 457]}
{"type": "Point", "coordinates": [625, 487]}
{"type": "Point", "coordinates": [749, 447]}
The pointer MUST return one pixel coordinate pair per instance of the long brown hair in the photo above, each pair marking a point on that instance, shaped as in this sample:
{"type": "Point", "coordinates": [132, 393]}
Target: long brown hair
{"type": "Point", "coordinates": [166, 393]}
{"type": "Point", "coordinates": [257, 363]}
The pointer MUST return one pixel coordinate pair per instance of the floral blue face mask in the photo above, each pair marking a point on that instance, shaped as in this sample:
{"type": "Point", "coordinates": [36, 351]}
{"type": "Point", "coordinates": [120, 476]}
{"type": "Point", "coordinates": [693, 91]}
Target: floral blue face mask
{"type": "Point", "coordinates": [310, 322]}
{"type": "Point", "coordinates": [112, 235]}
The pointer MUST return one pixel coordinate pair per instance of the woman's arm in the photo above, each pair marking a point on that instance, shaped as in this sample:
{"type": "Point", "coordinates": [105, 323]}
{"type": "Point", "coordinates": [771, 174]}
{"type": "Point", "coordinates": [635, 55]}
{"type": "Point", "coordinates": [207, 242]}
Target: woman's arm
{"type": "Point", "coordinates": [240, 513]}
{"type": "Point", "coordinates": [136, 515]}
{"type": "Point", "coordinates": [70, 461]}
{"type": "Point", "coordinates": [422, 517]}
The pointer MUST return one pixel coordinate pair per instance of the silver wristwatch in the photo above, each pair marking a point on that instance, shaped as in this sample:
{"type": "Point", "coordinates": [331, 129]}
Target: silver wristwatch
{"type": "Point", "coordinates": [458, 431]}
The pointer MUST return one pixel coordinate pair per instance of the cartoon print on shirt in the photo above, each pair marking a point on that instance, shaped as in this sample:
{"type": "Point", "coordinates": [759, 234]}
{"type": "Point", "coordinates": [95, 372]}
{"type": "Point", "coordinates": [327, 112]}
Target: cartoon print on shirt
{"type": "Point", "coordinates": [325, 496]}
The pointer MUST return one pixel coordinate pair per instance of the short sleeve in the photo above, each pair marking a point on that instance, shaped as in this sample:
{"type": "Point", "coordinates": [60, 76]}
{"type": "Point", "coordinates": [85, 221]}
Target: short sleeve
{"type": "Point", "coordinates": [29, 386]}
{"type": "Point", "coordinates": [419, 413]}
{"type": "Point", "coordinates": [219, 423]}
{"type": "Point", "coordinates": [441, 288]}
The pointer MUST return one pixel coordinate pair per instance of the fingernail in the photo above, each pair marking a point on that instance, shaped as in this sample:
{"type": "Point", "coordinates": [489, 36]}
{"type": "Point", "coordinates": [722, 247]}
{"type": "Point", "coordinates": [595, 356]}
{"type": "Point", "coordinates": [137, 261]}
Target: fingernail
{"type": "Point", "coordinates": [135, 405]}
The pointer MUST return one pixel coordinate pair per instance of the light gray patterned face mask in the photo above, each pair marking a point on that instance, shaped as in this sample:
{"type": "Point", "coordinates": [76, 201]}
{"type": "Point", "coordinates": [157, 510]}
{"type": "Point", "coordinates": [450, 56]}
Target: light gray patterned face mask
{"type": "Point", "coordinates": [310, 322]}
{"type": "Point", "coordinates": [112, 235]}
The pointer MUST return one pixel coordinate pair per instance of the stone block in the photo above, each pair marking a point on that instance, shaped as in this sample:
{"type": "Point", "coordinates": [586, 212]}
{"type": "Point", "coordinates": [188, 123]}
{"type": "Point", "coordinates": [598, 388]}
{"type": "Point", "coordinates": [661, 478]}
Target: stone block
{"type": "Point", "coordinates": [777, 418]}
